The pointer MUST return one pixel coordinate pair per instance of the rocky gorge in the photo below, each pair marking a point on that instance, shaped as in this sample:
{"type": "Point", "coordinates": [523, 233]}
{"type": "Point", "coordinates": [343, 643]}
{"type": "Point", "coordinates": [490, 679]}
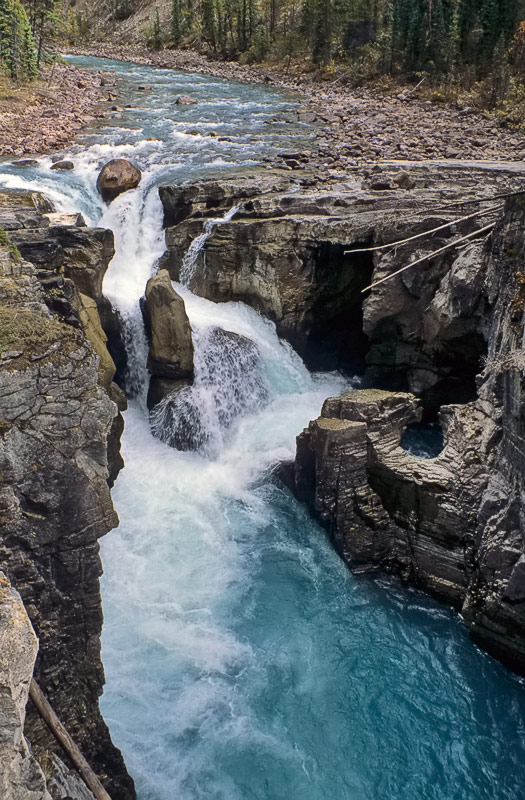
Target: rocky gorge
{"type": "Point", "coordinates": [439, 344]}
{"type": "Point", "coordinates": [449, 330]}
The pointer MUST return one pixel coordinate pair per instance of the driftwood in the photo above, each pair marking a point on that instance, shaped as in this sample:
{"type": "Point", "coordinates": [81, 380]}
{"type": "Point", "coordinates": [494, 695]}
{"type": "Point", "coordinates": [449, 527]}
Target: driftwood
{"type": "Point", "coordinates": [62, 736]}
{"type": "Point", "coordinates": [422, 235]}
{"type": "Point", "coordinates": [479, 200]}
{"type": "Point", "coordinates": [431, 255]}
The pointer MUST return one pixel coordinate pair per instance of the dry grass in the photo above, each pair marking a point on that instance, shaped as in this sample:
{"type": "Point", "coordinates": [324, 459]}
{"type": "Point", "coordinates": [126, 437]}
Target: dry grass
{"type": "Point", "coordinates": [34, 334]}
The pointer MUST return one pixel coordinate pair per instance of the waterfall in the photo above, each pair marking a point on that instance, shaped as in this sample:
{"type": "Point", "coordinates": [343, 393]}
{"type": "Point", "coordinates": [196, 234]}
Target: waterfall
{"type": "Point", "coordinates": [229, 382]}
{"type": "Point", "coordinates": [189, 262]}
{"type": "Point", "coordinates": [242, 659]}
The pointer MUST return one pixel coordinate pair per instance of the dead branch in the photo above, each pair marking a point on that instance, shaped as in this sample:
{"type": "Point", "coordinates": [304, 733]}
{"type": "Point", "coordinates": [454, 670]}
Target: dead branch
{"type": "Point", "coordinates": [431, 255]}
{"type": "Point", "coordinates": [62, 736]}
{"type": "Point", "coordinates": [393, 245]}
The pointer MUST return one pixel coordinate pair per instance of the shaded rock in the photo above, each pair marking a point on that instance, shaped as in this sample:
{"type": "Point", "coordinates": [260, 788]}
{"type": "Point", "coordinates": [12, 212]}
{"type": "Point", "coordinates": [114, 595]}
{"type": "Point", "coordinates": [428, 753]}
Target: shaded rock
{"type": "Point", "coordinates": [115, 460]}
{"type": "Point", "coordinates": [64, 784]}
{"type": "Point", "coordinates": [159, 388]}
{"type": "Point", "coordinates": [171, 351]}
{"type": "Point", "coordinates": [453, 524]}
{"type": "Point", "coordinates": [404, 180]}
{"type": "Point", "coordinates": [117, 176]}
{"type": "Point", "coordinates": [56, 420]}
{"type": "Point", "coordinates": [184, 100]}
{"type": "Point", "coordinates": [80, 254]}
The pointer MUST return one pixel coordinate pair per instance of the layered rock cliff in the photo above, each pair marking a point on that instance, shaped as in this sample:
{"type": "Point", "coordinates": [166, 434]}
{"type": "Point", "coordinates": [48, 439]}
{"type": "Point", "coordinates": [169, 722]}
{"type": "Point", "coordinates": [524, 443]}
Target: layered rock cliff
{"type": "Point", "coordinates": [452, 525]}
{"type": "Point", "coordinates": [442, 339]}
{"type": "Point", "coordinates": [56, 418]}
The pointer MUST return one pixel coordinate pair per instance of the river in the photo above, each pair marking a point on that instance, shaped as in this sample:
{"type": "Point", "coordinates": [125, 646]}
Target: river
{"type": "Point", "coordinates": [243, 660]}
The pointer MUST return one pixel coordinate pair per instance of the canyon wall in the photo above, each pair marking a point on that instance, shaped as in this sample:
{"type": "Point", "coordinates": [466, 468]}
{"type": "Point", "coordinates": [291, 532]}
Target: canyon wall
{"type": "Point", "coordinates": [56, 418]}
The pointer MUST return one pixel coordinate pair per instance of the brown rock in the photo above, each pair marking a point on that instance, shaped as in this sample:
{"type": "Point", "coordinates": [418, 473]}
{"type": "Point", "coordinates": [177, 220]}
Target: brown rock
{"type": "Point", "coordinates": [63, 165]}
{"type": "Point", "coordinates": [171, 351]}
{"type": "Point", "coordinates": [117, 176]}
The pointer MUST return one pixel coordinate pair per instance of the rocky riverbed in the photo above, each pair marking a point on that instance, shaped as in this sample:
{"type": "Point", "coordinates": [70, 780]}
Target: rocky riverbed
{"type": "Point", "coordinates": [41, 118]}
{"type": "Point", "coordinates": [356, 126]}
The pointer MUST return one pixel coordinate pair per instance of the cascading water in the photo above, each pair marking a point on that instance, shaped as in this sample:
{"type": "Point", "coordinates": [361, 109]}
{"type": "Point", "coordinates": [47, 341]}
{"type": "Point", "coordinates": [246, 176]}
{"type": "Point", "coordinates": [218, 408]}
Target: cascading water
{"type": "Point", "coordinates": [243, 660]}
{"type": "Point", "coordinates": [189, 262]}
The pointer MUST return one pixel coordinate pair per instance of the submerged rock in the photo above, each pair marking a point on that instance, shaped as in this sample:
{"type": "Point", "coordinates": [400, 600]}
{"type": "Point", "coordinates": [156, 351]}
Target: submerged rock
{"type": "Point", "coordinates": [68, 165]}
{"type": "Point", "coordinates": [229, 382]}
{"type": "Point", "coordinates": [117, 176]}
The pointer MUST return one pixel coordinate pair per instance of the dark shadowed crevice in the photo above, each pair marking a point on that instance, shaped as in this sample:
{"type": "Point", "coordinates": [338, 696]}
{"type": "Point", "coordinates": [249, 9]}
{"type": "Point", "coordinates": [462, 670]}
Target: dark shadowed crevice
{"type": "Point", "coordinates": [334, 337]}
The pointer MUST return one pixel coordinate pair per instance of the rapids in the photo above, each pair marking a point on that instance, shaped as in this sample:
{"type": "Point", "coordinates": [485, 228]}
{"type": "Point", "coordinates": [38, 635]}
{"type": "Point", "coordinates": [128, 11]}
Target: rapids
{"type": "Point", "coordinates": [243, 660]}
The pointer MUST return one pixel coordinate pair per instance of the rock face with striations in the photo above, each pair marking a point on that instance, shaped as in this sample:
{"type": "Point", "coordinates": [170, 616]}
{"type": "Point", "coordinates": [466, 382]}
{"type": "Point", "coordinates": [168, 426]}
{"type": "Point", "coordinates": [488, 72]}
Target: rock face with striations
{"type": "Point", "coordinates": [292, 252]}
{"type": "Point", "coordinates": [117, 176]}
{"type": "Point", "coordinates": [448, 332]}
{"type": "Point", "coordinates": [452, 525]}
{"type": "Point", "coordinates": [56, 419]}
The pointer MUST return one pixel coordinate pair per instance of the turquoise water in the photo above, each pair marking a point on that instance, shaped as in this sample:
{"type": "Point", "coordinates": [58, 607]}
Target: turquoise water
{"type": "Point", "coordinates": [243, 660]}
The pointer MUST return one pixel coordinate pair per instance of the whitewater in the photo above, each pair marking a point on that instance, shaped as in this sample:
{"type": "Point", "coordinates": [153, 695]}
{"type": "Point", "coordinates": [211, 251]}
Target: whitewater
{"type": "Point", "coordinates": [243, 660]}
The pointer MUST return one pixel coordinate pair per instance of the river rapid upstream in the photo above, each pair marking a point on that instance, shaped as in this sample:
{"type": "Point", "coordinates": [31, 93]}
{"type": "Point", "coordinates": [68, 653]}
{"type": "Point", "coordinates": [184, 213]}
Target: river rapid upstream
{"type": "Point", "coordinates": [243, 660]}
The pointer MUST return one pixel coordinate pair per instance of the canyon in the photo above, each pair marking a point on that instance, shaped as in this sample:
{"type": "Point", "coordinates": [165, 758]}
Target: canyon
{"type": "Point", "coordinates": [279, 253]}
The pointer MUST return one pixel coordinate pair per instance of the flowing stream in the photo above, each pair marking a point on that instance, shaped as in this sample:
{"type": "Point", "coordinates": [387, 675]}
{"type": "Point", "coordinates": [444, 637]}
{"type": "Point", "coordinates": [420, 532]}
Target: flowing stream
{"type": "Point", "coordinates": [243, 660]}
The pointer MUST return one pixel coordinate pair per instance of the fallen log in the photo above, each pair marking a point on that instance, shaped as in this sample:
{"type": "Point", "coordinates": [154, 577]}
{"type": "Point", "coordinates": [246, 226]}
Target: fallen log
{"type": "Point", "coordinates": [45, 710]}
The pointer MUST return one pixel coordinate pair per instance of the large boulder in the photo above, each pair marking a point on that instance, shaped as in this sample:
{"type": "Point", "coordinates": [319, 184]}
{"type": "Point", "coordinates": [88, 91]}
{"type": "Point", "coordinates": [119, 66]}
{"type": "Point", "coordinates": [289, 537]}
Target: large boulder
{"type": "Point", "coordinates": [171, 351]}
{"type": "Point", "coordinates": [117, 176]}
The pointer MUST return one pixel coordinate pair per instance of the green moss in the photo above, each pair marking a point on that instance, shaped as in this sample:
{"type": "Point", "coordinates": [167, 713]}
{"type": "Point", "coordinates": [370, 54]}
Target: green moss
{"type": "Point", "coordinates": [4, 241]}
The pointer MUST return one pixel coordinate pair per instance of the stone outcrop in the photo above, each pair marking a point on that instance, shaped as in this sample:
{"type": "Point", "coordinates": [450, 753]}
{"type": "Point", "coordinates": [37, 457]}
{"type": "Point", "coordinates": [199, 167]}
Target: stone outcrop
{"type": "Point", "coordinates": [21, 777]}
{"type": "Point", "coordinates": [78, 254]}
{"type": "Point", "coordinates": [170, 358]}
{"type": "Point", "coordinates": [93, 329]}
{"type": "Point", "coordinates": [451, 525]}
{"type": "Point", "coordinates": [117, 176]}
{"type": "Point", "coordinates": [56, 420]}
{"type": "Point", "coordinates": [290, 252]}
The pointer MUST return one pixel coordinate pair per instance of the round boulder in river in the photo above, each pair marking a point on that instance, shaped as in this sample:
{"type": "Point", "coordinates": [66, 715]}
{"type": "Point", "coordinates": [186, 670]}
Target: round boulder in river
{"type": "Point", "coordinates": [117, 176]}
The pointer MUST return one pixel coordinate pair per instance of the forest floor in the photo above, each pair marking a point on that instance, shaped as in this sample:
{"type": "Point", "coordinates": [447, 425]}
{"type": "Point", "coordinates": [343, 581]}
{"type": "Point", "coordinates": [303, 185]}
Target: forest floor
{"type": "Point", "coordinates": [43, 116]}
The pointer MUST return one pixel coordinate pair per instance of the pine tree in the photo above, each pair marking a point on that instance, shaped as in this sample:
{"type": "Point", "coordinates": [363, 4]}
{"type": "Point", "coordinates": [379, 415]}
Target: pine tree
{"type": "Point", "coordinates": [208, 22]}
{"type": "Point", "coordinates": [176, 22]}
{"type": "Point", "coordinates": [17, 46]}
{"type": "Point", "coordinates": [157, 34]}
{"type": "Point", "coordinates": [322, 31]}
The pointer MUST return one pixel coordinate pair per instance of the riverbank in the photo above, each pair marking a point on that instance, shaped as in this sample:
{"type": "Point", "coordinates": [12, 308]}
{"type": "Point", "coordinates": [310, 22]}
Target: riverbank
{"type": "Point", "coordinates": [44, 116]}
{"type": "Point", "coordinates": [356, 126]}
